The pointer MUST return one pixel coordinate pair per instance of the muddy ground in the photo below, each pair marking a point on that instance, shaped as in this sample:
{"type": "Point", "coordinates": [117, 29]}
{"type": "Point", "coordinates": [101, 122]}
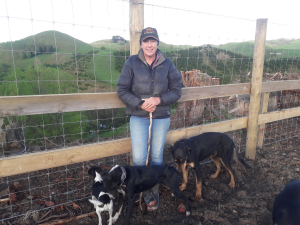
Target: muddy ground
{"type": "Point", "coordinates": [250, 203]}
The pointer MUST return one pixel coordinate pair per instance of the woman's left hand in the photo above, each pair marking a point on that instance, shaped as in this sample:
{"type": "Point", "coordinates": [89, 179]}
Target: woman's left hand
{"type": "Point", "coordinates": [150, 102]}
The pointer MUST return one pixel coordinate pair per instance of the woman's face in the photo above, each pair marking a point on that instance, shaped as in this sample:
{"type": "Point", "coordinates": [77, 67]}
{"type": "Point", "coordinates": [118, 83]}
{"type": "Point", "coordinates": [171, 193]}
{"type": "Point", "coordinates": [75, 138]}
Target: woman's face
{"type": "Point", "coordinates": [149, 47]}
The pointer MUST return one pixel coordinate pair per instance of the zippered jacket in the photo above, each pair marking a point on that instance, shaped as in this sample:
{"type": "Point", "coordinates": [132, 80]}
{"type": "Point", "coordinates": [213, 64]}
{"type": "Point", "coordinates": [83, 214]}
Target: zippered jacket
{"type": "Point", "coordinates": [136, 82]}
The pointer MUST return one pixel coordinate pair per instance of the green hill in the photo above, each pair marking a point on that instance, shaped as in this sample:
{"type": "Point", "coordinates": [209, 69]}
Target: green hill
{"type": "Point", "coordinates": [45, 44]}
{"type": "Point", "coordinates": [48, 73]}
{"type": "Point", "coordinates": [287, 48]}
{"type": "Point", "coordinates": [109, 46]}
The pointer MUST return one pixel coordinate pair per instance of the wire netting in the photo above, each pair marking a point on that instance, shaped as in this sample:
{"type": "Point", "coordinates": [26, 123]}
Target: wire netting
{"type": "Point", "coordinates": [62, 47]}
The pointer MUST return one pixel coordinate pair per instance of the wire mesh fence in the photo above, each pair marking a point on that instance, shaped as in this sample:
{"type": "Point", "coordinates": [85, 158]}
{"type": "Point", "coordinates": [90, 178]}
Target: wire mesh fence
{"type": "Point", "coordinates": [69, 47]}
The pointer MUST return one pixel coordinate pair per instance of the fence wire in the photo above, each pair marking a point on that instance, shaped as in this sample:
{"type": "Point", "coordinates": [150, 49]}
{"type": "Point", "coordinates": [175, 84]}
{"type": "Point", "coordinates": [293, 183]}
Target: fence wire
{"type": "Point", "coordinates": [72, 48]}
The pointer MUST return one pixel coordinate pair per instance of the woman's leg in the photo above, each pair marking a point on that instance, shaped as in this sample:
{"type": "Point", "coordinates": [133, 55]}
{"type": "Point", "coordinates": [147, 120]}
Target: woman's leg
{"type": "Point", "coordinates": [139, 129]}
{"type": "Point", "coordinates": [159, 133]}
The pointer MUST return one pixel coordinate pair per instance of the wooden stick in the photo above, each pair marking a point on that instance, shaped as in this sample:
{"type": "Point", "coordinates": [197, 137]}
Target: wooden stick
{"type": "Point", "coordinates": [69, 220]}
{"type": "Point", "coordinates": [54, 216]}
{"type": "Point", "coordinates": [4, 200]}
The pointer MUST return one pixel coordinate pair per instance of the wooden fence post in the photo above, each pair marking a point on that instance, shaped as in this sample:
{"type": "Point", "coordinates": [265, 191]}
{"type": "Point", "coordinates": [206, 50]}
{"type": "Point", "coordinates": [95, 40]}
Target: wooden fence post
{"type": "Point", "coordinates": [256, 83]}
{"type": "Point", "coordinates": [264, 109]}
{"type": "Point", "coordinates": [136, 25]}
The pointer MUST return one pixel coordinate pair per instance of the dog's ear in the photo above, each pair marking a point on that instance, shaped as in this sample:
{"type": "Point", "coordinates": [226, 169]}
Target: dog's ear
{"type": "Point", "coordinates": [92, 170]}
{"type": "Point", "coordinates": [170, 149]}
{"type": "Point", "coordinates": [105, 175]}
{"type": "Point", "coordinates": [188, 149]}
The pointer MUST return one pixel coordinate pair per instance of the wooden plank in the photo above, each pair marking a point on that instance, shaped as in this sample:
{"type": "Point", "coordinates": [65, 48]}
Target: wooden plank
{"type": "Point", "coordinates": [49, 159]}
{"type": "Point", "coordinates": [136, 24]}
{"type": "Point", "coordinates": [224, 126]}
{"type": "Point", "coordinates": [278, 115]}
{"type": "Point", "coordinates": [193, 93]}
{"type": "Point", "coordinates": [280, 85]}
{"type": "Point", "coordinates": [256, 83]}
{"type": "Point", "coordinates": [264, 109]}
{"type": "Point", "coordinates": [42, 104]}
{"type": "Point", "coordinates": [43, 160]}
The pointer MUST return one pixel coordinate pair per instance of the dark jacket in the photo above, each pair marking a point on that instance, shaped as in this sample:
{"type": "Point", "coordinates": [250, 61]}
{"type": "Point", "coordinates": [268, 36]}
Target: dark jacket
{"type": "Point", "coordinates": [136, 82]}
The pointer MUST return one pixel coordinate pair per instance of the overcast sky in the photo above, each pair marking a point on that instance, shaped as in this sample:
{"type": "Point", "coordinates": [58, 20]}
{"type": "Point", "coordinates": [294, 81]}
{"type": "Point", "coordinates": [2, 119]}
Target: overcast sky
{"type": "Point", "coordinates": [193, 22]}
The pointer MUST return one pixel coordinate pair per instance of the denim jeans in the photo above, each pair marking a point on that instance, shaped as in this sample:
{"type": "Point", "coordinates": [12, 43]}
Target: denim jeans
{"type": "Point", "coordinates": [139, 129]}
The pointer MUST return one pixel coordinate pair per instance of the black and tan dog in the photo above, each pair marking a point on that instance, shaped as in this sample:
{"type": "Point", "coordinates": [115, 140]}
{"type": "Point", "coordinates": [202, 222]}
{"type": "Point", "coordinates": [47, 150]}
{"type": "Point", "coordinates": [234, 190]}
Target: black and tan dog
{"type": "Point", "coordinates": [286, 207]}
{"type": "Point", "coordinates": [138, 179]}
{"type": "Point", "coordinates": [189, 152]}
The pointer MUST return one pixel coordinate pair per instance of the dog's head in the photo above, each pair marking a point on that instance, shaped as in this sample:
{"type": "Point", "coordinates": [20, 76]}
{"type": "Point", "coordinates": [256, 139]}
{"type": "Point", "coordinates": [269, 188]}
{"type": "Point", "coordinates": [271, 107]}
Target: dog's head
{"type": "Point", "coordinates": [112, 180]}
{"type": "Point", "coordinates": [95, 172]}
{"type": "Point", "coordinates": [180, 152]}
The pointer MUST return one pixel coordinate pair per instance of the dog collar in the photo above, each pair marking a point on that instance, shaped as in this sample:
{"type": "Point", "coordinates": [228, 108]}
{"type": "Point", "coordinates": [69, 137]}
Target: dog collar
{"type": "Point", "coordinates": [123, 177]}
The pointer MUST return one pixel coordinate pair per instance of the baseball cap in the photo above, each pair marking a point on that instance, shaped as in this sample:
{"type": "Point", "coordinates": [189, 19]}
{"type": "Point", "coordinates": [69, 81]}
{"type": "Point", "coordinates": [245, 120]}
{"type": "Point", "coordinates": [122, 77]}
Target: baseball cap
{"type": "Point", "coordinates": [149, 32]}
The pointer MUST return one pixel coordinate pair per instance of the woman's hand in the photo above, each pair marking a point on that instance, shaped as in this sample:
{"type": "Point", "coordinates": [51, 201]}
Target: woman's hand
{"type": "Point", "coordinates": [150, 102]}
{"type": "Point", "coordinates": [148, 109]}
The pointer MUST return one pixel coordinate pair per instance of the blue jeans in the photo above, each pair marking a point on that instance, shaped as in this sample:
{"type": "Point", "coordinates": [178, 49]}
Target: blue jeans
{"type": "Point", "coordinates": [139, 129]}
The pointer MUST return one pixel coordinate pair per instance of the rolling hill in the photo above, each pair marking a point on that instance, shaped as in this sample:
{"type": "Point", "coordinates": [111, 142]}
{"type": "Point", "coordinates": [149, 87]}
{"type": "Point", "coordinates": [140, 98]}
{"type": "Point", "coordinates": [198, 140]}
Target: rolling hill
{"type": "Point", "coordinates": [88, 72]}
{"type": "Point", "coordinates": [45, 44]}
{"type": "Point", "coordinates": [287, 48]}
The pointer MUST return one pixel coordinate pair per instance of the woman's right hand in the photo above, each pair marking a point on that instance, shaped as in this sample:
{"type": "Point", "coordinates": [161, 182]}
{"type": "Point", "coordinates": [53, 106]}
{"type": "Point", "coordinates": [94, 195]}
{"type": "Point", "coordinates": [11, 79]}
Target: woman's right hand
{"type": "Point", "coordinates": [148, 109]}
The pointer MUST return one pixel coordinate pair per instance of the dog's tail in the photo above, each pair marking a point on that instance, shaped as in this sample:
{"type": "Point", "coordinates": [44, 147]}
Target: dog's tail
{"type": "Point", "coordinates": [240, 158]}
{"type": "Point", "coordinates": [96, 202]}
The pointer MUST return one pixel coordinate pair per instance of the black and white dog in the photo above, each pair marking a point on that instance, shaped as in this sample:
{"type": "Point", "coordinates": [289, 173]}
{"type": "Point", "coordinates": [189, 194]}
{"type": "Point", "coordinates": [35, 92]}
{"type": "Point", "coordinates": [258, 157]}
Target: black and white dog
{"type": "Point", "coordinates": [101, 199]}
{"type": "Point", "coordinates": [137, 179]}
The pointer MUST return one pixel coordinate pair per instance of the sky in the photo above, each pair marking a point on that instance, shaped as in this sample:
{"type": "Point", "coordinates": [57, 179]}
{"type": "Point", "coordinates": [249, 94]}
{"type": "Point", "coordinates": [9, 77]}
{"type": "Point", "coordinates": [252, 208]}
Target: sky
{"type": "Point", "coordinates": [188, 22]}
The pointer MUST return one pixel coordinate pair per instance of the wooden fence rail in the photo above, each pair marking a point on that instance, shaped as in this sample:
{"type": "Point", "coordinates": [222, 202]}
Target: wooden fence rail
{"type": "Point", "coordinates": [44, 160]}
{"type": "Point", "coordinates": [42, 104]}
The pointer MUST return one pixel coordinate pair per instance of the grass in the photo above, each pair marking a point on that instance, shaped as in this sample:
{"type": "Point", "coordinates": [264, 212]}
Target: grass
{"type": "Point", "coordinates": [121, 131]}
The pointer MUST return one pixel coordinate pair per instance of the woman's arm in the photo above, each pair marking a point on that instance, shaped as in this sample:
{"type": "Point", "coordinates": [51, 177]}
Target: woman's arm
{"type": "Point", "coordinates": [124, 87]}
{"type": "Point", "coordinates": [175, 87]}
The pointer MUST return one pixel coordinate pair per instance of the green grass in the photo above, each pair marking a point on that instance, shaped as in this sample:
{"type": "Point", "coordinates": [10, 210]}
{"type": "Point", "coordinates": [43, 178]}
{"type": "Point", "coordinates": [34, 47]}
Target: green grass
{"type": "Point", "coordinates": [121, 131]}
{"type": "Point", "coordinates": [104, 69]}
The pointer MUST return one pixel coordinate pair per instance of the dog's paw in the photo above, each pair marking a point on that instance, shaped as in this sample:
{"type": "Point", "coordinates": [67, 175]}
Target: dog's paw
{"type": "Point", "coordinates": [213, 176]}
{"type": "Point", "coordinates": [182, 188]}
{"type": "Point", "coordinates": [231, 185]}
{"type": "Point", "coordinates": [198, 197]}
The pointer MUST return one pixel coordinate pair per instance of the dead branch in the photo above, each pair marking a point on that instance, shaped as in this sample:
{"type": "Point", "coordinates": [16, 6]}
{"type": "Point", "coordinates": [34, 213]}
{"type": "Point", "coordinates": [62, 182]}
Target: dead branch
{"type": "Point", "coordinates": [51, 217]}
{"type": "Point", "coordinates": [4, 200]}
{"type": "Point", "coordinates": [69, 220]}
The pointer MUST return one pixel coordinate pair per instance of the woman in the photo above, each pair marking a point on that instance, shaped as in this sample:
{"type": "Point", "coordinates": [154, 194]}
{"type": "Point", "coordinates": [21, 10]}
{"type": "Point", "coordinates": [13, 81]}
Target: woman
{"type": "Point", "coordinates": [149, 83]}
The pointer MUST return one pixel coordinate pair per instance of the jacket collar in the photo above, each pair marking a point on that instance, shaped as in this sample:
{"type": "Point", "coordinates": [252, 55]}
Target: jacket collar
{"type": "Point", "coordinates": [160, 57]}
